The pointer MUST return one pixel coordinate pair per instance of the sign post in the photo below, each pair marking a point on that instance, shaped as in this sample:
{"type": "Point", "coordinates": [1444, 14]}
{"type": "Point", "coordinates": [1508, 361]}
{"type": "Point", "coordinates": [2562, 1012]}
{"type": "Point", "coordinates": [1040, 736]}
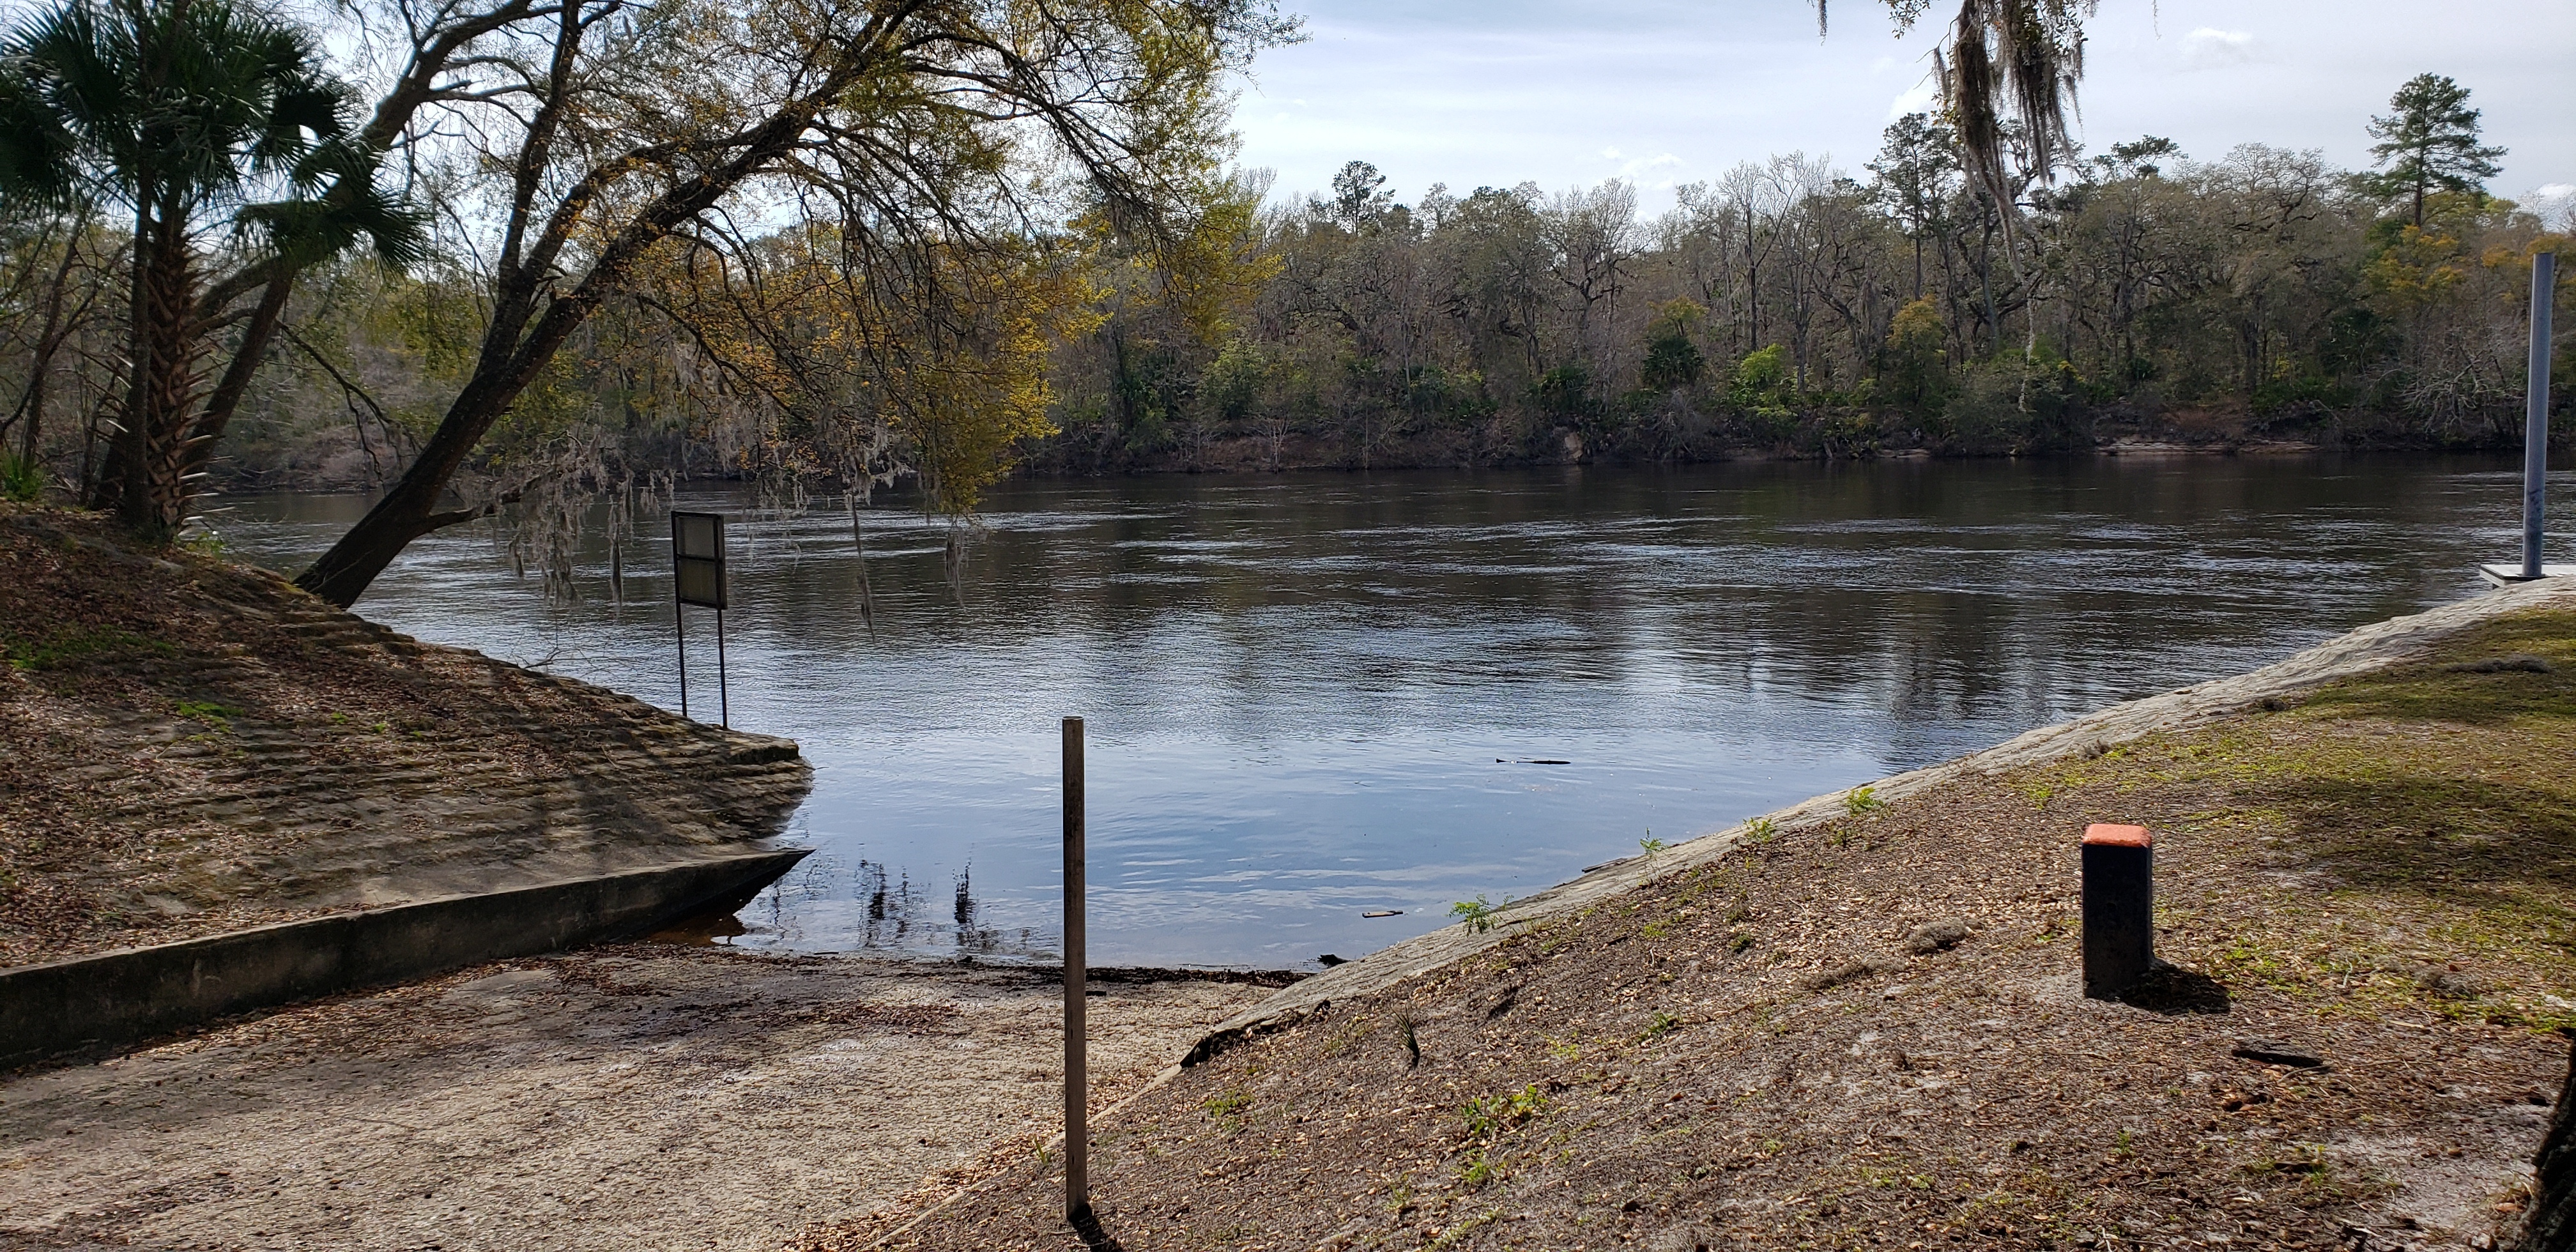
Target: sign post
{"type": "Point", "coordinates": [698, 577]}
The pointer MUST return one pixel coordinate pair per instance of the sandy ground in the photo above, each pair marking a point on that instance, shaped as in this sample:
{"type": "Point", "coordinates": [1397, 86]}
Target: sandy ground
{"type": "Point", "coordinates": [641, 1097]}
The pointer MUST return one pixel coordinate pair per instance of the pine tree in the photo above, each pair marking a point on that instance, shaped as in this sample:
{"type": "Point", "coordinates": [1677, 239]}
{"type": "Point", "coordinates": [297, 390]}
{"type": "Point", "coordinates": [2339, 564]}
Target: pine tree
{"type": "Point", "coordinates": [2430, 143]}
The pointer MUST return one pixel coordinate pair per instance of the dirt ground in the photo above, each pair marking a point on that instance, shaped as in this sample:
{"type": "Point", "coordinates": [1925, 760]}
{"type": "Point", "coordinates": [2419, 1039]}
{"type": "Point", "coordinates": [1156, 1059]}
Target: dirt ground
{"type": "Point", "coordinates": [637, 1097]}
{"type": "Point", "coordinates": [1867, 1030]}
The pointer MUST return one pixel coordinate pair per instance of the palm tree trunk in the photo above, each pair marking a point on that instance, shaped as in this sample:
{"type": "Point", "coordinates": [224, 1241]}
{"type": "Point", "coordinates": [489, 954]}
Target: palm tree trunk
{"type": "Point", "coordinates": [153, 499]}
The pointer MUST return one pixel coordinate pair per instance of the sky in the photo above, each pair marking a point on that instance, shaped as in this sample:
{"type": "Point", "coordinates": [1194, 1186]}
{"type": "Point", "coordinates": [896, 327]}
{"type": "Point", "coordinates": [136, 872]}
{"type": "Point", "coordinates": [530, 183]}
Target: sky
{"type": "Point", "coordinates": [1569, 93]}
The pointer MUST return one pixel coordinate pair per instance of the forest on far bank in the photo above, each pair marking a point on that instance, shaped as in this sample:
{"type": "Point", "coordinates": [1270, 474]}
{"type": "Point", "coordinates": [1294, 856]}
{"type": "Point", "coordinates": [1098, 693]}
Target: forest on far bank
{"type": "Point", "coordinates": [1791, 308]}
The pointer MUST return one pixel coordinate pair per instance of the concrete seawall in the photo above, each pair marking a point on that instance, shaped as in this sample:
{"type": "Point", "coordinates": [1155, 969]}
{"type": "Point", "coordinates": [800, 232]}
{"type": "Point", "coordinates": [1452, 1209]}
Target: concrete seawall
{"type": "Point", "coordinates": [113, 999]}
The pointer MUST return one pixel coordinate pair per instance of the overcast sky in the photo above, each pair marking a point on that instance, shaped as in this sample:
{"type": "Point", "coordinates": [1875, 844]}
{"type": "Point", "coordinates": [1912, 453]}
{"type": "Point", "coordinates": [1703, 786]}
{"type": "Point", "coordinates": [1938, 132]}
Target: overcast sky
{"type": "Point", "coordinates": [1572, 92]}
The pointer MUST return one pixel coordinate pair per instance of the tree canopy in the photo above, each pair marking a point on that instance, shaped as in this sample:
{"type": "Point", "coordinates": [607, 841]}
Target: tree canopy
{"type": "Point", "coordinates": [2430, 144]}
{"type": "Point", "coordinates": [188, 113]}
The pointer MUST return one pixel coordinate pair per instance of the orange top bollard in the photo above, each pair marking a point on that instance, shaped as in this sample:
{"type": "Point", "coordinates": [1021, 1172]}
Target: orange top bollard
{"type": "Point", "coordinates": [2104, 834]}
{"type": "Point", "coordinates": [2119, 908]}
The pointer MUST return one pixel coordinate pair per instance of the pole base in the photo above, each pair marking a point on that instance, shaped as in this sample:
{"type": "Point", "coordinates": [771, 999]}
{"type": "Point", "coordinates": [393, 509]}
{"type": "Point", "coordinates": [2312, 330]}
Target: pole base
{"type": "Point", "coordinates": [2507, 575]}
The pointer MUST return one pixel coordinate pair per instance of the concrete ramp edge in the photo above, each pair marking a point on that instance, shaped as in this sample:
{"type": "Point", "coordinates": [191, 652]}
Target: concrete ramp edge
{"type": "Point", "coordinates": [110, 1000]}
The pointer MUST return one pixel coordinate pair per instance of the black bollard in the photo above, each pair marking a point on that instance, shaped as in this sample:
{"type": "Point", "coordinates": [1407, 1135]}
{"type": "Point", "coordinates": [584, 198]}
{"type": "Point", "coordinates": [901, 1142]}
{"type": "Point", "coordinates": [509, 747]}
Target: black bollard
{"type": "Point", "coordinates": [2119, 908]}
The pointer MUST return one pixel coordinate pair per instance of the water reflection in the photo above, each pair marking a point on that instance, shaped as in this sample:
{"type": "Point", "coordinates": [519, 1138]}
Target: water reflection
{"type": "Point", "coordinates": [826, 904]}
{"type": "Point", "coordinates": [1311, 697]}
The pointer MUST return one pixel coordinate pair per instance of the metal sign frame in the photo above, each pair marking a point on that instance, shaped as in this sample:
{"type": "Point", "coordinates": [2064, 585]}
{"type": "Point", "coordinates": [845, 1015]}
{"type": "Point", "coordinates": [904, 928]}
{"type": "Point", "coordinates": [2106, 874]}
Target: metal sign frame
{"type": "Point", "coordinates": [698, 577]}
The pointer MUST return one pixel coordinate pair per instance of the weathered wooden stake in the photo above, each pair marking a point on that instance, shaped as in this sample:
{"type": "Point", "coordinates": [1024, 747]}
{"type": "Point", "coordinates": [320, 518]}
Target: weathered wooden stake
{"type": "Point", "coordinates": [2535, 409]}
{"type": "Point", "coordinates": [2119, 908]}
{"type": "Point", "coordinates": [1077, 1075]}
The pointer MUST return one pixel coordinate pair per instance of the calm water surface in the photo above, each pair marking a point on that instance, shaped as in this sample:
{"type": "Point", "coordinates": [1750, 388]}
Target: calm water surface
{"type": "Point", "coordinates": [1315, 696]}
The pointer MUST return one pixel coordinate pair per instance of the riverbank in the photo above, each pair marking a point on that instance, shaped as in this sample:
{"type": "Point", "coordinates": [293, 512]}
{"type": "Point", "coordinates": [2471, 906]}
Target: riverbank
{"type": "Point", "coordinates": [1674, 434]}
{"type": "Point", "coordinates": [1859, 1023]}
{"type": "Point", "coordinates": [191, 747]}
{"type": "Point", "coordinates": [622, 1097]}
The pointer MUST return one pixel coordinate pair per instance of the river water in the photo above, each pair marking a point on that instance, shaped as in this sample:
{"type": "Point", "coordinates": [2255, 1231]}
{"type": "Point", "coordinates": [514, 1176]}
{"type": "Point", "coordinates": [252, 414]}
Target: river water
{"type": "Point", "coordinates": [1312, 697]}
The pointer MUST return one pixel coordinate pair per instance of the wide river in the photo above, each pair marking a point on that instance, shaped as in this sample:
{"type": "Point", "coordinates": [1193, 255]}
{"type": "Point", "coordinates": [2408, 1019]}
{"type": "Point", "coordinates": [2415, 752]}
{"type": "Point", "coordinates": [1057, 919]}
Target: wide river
{"type": "Point", "coordinates": [1315, 696]}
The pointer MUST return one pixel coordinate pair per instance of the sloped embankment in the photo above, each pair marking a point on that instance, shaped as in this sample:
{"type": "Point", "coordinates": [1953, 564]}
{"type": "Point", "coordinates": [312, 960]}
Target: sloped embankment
{"type": "Point", "coordinates": [189, 746]}
{"type": "Point", "coordinates": [1860, 1024]}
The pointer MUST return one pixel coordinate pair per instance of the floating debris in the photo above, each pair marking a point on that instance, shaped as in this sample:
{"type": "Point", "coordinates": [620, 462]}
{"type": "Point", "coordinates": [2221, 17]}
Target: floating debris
{"type": "Point", "coordinates": [1383, 913]}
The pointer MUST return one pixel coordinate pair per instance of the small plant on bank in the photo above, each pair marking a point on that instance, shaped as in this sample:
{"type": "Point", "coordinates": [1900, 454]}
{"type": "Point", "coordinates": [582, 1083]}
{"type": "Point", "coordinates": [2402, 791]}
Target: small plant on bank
{"type": "Point", "coordinates": [1231, 1110]}
{"type": "Point", "coordinates": [215, 715]}
{"type": "Point", "coordinates": [1761, 830]}
{"type": "Point", "coordinates": [1488, 1116]}
{"type": "Point", "coordinates": [202, 540]}
{"type": "Point", "coordinates": [1862, 801]}
{"type": "Point", "coordinates": [1477, 914]}
{"type": "Point", "coordinates": [1660, 1025]}
{"type": "Point", "coordinates": [1650, 843]}
{"type": "Point", "coordinates": [21, 481]}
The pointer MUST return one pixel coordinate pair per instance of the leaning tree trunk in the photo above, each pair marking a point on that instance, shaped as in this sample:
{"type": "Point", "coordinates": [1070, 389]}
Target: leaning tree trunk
{"type": "Point", "coordinates": [410, 510]}
{"type": "Point", "coordinates": [208, 428]}
{"type": "Point", "coordinates": [530, 322]}
{"type": "Point", "coordinates": [2551, 1224]}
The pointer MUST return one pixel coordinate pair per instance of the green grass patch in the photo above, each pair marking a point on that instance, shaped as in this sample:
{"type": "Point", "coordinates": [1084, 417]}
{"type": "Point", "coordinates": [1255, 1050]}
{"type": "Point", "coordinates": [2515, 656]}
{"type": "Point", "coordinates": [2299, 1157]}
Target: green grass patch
{"type": "Point", "coordinates": [64, 649]}
{"type": "Point", "coordinates": [218, 715]}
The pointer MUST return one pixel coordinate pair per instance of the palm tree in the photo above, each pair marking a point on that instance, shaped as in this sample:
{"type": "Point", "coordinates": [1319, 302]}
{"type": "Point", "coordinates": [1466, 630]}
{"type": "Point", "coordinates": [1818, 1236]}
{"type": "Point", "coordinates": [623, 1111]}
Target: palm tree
{"type": "Point", "coordinates": [197, 115]}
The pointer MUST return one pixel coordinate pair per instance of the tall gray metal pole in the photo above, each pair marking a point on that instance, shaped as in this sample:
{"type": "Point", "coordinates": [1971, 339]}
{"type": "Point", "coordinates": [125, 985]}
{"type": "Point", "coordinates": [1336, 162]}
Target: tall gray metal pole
{"type": "Point", "coordinates": [1077, 1067]}
{"type": "Point", "coordinates": [2535, 416]}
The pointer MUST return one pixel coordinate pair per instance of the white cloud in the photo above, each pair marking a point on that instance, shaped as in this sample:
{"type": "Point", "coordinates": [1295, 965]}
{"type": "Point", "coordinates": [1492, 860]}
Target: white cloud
{"type": "Point", "coordinates": [1494, 95]}
{"type": "Point", "coordinates": [1611, 154]}
{"type": "Point", "coordinates": [1640, 171]}
{"type": "Point", "coordinates": [2210, 47]}
{"type": "Point", "coordinates": [1917, 99]}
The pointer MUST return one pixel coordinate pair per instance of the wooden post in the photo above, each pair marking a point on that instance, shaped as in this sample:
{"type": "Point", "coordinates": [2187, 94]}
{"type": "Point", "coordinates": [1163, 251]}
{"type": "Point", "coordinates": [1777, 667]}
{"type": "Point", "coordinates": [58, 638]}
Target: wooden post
{"type": "Point", "coordinates": [1077, 1075]}
{"type": "Point", "coordinates": [2119, 908]}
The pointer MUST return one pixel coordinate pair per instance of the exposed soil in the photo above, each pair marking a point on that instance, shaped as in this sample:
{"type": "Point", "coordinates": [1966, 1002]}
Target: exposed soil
{"type": "Point", "coordinates": [190, 746]}
{"type": "Point", "coordinates": [643, 1096]}
{"type": "Point", "coordinates": [1869, 1031]}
